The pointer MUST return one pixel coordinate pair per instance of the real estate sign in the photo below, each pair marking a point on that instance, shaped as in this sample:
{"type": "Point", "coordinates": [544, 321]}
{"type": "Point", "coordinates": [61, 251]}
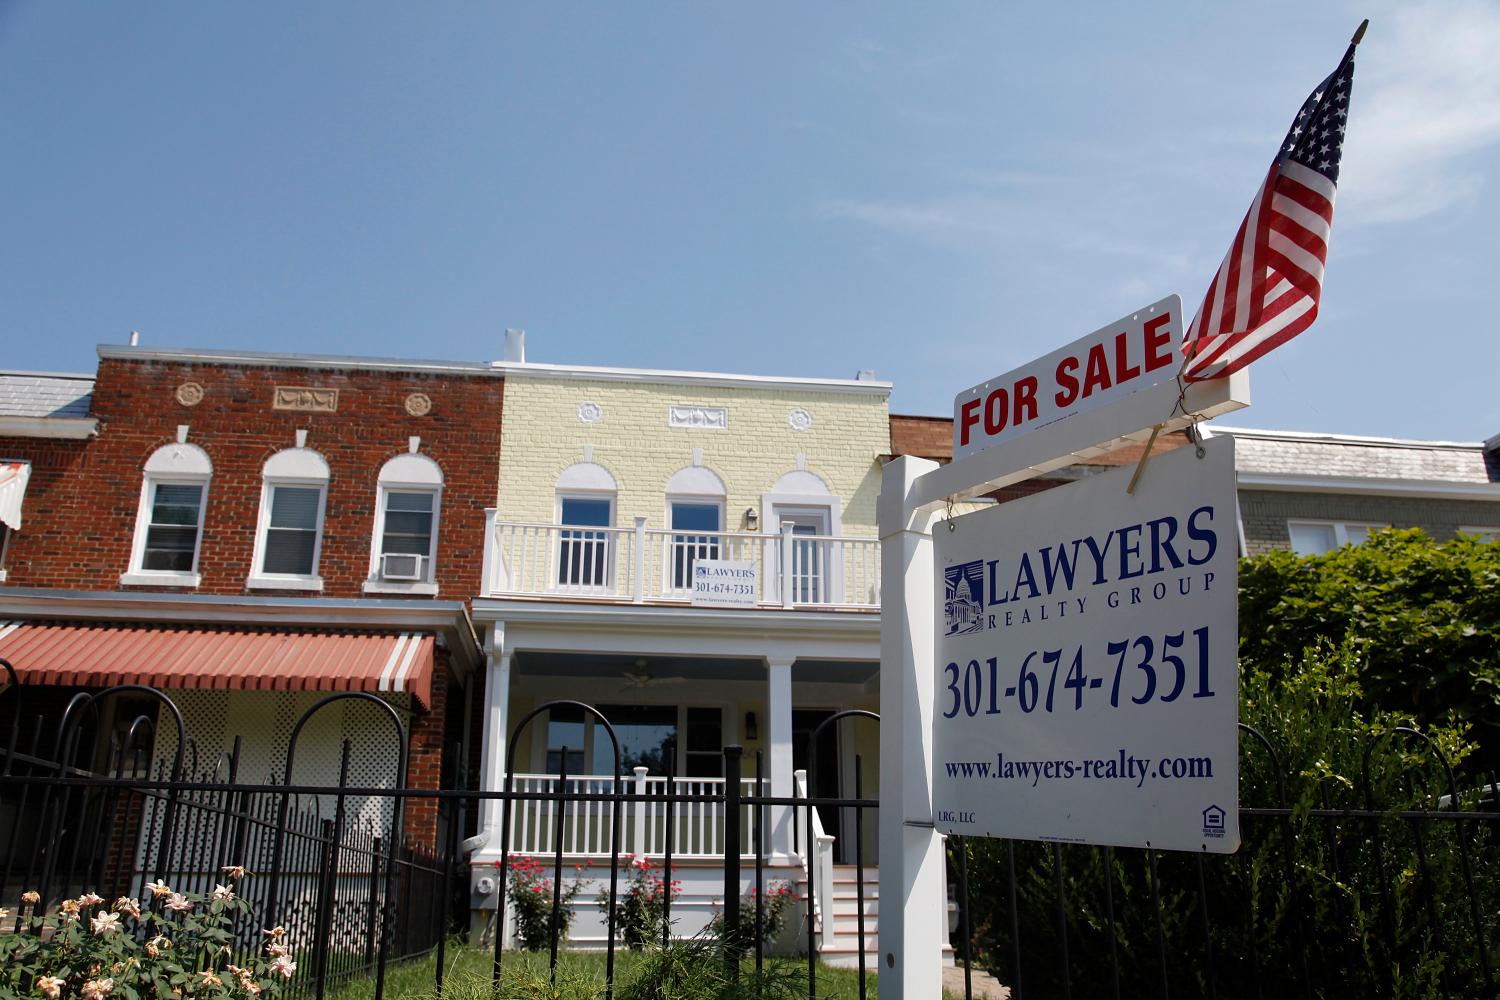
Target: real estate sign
{"type": "Point", "coordinates": [1086, 662]}
{"type": "Point", "coordinates": [724, 583]}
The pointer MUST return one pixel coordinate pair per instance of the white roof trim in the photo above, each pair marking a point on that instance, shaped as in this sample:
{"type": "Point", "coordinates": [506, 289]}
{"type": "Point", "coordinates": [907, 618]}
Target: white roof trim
{"type": "Point", "coordinates": [1432, 489]}
{"type": "Point", "coordinates": [13, 479]}
{"type": "Point", "coordinates": [1373, 442]}
{"type": "Point", "coordinates": [67, 428]}
{"type": "Point", "coordinates": [512, 369]}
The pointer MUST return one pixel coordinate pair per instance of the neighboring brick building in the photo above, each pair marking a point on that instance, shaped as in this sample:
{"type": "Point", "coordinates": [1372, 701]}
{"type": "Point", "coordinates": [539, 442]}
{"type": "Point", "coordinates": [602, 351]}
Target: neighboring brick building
{"type": "Point", "coordinates": [220, 497]}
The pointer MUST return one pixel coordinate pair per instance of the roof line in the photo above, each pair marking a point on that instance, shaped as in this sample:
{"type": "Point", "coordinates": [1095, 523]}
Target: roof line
{"type": "Point", "coordinates": [1378, 442]}
{"type": "Point", "coordinates": [30, 374]}
{"type": "Point", "coordinates": [267, 359]}
{"type": "Point", "coordinates": [609, 374]}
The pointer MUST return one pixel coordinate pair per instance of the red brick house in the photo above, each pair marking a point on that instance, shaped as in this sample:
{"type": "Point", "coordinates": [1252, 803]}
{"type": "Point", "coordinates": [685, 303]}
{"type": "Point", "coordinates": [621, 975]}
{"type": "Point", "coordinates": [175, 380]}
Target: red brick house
{"type": "Point", "coordinates": [250, 532]}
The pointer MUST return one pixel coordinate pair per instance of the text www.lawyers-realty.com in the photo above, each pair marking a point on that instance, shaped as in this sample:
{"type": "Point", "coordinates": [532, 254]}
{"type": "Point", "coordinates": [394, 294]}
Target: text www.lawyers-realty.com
{"type": "Point", "coordinates": [1120, 767]}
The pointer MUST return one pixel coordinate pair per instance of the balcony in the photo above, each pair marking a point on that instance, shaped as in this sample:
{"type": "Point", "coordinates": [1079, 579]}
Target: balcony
{"type": "Point", "coordinates": [651, 565]}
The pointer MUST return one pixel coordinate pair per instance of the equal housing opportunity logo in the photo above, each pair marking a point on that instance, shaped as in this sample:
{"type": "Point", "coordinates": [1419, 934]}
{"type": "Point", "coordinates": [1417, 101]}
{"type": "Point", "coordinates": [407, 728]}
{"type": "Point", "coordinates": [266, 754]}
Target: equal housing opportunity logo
{"type": "Point", "coordinates": [963, 598]}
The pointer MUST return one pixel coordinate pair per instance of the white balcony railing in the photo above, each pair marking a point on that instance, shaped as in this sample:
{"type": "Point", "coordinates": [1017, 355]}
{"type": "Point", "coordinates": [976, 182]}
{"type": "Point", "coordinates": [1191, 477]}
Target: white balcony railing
{"type": "Point", "coordinates": [697, 827]}
{"type": "Point", "coordinates": [651, 564]}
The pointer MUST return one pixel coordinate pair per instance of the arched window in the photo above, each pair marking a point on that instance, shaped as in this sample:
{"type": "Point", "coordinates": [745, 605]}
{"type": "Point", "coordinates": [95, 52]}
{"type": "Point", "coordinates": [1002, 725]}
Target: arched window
{"type": "Point", "coordinates": [289, 536]}
{"type": "Point", "coordinates": [695, 513]}
{"type": "Point", "coordinates": [403, 555]}
{"type": "Point", "coordinates": [586, 510]}
{"type": "Point", "coordinates": [169, 524]}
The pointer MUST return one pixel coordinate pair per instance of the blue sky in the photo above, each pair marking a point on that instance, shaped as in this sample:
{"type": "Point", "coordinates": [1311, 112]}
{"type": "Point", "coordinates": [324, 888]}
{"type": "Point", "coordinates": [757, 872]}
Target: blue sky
{"type": "Point", "coordinates": [937, 192]}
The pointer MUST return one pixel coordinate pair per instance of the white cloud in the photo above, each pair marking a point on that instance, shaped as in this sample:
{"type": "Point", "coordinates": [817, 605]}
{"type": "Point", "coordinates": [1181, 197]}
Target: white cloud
{"type": "Point", "coordinates": [1426, 98]}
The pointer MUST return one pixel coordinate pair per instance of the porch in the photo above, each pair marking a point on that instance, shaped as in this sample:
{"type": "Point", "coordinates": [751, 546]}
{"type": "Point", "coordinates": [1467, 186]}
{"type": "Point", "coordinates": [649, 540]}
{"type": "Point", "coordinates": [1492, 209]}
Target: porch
{"type": "Point", "coordinates": [796, 566]}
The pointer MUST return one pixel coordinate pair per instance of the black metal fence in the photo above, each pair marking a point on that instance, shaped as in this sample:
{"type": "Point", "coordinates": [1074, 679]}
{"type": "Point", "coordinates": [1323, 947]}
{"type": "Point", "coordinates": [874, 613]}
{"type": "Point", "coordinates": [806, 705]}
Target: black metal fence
{"type": "Point", "coordinates": [1350, 896]}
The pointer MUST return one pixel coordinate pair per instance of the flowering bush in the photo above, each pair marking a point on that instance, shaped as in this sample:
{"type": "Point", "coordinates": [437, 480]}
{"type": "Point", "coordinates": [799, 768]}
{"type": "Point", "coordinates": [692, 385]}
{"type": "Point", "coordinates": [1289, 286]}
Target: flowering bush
{"type": "Point", "coordinates": [171, 944]}
{"type": "Point", "coordinates": [773, 915]}
{"type": "Point", "coordinates": [641, 910]}
{"type": "Point", "coordinates": [530, 892]}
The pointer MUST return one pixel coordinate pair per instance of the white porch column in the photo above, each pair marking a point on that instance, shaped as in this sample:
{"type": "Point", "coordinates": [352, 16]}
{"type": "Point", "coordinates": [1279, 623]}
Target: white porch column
{"type": "Point", "coordinates": [779, 744]}
{"type": "Point", "coordinates": [496, 733]}
{"type": "Point", "coordinates": [911, 854]}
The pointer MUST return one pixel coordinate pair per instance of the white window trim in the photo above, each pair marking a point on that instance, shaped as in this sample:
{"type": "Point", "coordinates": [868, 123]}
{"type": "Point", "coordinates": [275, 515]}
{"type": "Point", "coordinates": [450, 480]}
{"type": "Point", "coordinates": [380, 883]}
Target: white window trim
{"type": "Point", "coordinates": [259, 580]}
{"type": "Point", "coordinates": [139, 576]}
{"type": "Point", "coordinates": [775, 505]}
{"type": "Point", "coordinates": [1340, 528]}
{"type": "Point", "coordinates": [612, 584]}
{"type": "Point", "coordinates": [427, 587]}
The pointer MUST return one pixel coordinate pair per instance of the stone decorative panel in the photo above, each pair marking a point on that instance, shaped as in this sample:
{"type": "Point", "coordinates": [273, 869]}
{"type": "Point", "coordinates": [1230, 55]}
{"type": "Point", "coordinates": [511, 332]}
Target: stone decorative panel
{"type": "Point", "coordinates": [305, 398]}
{"type": "Point", "coordinates": [590, 412]}
{"type": "Point", "coordinates": [800, 419]}
{"type": "Point", "coordinates": [419, 404]}
{"type": "Point", "coordinates": [715, 418]}
{"type": "Point", "coordinates": [190, 394]}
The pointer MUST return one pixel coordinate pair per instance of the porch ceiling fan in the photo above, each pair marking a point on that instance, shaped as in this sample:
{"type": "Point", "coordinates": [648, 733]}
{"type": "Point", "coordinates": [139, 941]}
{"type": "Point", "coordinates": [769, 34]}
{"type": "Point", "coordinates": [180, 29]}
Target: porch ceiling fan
{"type": "Point", "coordinates": [639, 681]}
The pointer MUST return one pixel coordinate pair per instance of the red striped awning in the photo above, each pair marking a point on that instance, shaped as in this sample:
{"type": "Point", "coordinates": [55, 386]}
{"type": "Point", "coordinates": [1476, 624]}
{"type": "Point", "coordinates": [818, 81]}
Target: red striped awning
{"type": "Point", "coordinates": [234, 659]}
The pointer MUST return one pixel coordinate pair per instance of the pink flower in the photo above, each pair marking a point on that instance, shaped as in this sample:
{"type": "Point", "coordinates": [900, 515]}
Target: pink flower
{"type": "Point", "coordinates": [275, 933]}
{"type": "Point", "coordinates": [283, 966]}
{"type": "Point", "coordinates": [128, 906]}
{"type": "Point", "coordinates": [106, 924]}
{"type": "Point", "coordinates": [223, 893]}
{"type": "Point", "coordinates": [90, 899]}
{"type": "Point", "coordinates": [235, 872]}
{"type": "Point", "coordinates": [178, 903]}
{"type": "Point", "coordinates": [158, 889]}
{"type": "Point", "coordinates": [51, 986]}
{"type": "Point", "coordinates": [97, 989]}
{"type": "Point", "coordinates": [209, 979]}
{"type": "Point", "coordinates": [31, 897]}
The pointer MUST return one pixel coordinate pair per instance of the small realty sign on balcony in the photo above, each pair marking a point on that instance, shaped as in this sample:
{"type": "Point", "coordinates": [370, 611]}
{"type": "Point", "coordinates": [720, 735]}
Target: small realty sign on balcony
{"type": "Point", "coordinates": [724, 583]}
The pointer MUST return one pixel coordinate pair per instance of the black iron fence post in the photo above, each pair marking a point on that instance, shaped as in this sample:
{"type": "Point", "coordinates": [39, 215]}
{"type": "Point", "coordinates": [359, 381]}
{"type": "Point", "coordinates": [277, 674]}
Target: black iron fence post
{"type": "Point", "coordinates": [733, 932]}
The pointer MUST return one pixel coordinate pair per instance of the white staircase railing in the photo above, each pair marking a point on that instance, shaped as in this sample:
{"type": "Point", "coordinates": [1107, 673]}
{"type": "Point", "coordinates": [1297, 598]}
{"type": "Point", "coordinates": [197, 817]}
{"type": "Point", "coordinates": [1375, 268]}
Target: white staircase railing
{"type": "Point", "coordinates": [817, 864]}
{"type": "Point", "coordinates": [652, 564]}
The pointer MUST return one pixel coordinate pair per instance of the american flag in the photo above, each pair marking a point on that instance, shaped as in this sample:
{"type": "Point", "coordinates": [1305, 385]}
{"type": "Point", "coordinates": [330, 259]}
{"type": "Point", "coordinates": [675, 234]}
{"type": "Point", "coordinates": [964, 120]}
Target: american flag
{"type": "Point", "coordinates": [1267, 289]}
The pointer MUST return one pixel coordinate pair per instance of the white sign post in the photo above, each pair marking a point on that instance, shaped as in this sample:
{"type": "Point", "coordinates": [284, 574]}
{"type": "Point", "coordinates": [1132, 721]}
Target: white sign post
{"type": "Point", "coordinates": [913, 491]}
{"type": "Point", "coordinates": [1086, 672]}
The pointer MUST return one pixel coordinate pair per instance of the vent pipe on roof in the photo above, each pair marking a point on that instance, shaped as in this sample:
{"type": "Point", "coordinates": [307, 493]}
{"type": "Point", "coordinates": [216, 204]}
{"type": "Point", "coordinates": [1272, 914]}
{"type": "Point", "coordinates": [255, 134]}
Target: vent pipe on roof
{"type": "Point", "coordinates": [865, 375]}
{"type": "Point", "coordinates": [515, 346]}
{"type": "Point", "coordinates": [135, 338]}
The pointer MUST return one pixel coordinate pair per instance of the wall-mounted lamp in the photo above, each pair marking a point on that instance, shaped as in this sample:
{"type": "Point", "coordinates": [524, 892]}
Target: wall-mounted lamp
{"type": "Point", "coordinates": [752, 730]}
{"type": "Point", "coordinates": [752, 518]}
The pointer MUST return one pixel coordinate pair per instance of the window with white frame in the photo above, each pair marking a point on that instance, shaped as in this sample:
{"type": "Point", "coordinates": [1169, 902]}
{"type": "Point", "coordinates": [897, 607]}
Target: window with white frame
{"type": "Point", "coordinates": [169, 521]}
{"type": "Point", "coordinates": [289, 536]}
{"type": "Point", "coordinates": [403, 553]}
{"type": "Point", "coordinates": [585, 514]}
{"type": "Point", "coordinates": [802, 501]}
{"type": "Point", "coordinates": [695, 513]}
{"type": "Point", "coordinates": [1315, 538]}
{"type": "Point", "coordinates": [688, 739]}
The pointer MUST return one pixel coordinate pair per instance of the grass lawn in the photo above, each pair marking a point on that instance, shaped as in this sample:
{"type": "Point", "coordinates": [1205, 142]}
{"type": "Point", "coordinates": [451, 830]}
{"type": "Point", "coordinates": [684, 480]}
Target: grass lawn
{"type": "Point", "coordinates": [689, 973]}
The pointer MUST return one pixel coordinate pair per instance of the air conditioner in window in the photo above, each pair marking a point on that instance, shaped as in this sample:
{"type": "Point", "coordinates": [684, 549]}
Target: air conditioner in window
{"type": "Point", "coordinates": [401, 566]}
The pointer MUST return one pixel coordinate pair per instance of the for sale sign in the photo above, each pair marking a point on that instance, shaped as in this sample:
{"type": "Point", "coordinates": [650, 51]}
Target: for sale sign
{"type": "Point", "coordinates": [1086, 671]}
{"type": "Point", "coordinates": [1135, 352]}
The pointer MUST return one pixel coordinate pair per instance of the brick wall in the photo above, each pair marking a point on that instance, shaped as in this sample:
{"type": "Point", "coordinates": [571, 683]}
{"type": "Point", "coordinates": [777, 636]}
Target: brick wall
{"type": "Point", "coordinates": [1266, 512]}
{"type": "Point", "coordinates": [424, 762]}
{"type": "Point", "coordinates": [82, 503]}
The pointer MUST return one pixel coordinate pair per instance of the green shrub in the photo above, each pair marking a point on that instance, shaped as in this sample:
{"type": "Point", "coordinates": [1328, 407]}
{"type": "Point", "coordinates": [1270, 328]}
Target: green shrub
{"type": "Point", "coordinates": [641, 909]}
{"type": "Point", "coordinates": [1423, 618]}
